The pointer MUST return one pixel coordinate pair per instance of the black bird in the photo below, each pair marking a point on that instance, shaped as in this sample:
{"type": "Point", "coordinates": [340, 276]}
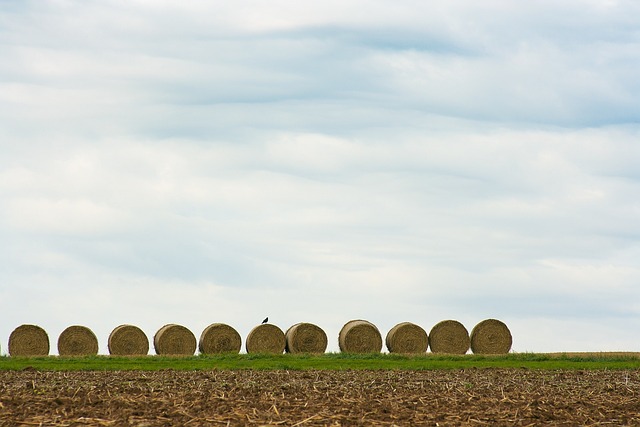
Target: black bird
{"type": "Point", "coordinates": [266, 319]}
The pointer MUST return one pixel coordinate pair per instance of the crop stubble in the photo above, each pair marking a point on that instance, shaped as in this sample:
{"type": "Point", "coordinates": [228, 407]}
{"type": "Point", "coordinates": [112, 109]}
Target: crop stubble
{"type": "Point", "coordinates": [312, 398]}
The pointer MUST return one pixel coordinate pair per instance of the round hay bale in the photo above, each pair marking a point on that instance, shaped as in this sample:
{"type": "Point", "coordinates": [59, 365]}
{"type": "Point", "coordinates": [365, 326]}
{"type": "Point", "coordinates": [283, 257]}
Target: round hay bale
{"type": "Point", "coordinates": [491, 336]}
{"type": "Point", "coordinates": [407, 337]}
{"type": "Point", "coordinates": [449, 336]}
{"type": "Point", "coordinates": [174, 340]}
{"type": "Point", "coordinates": [128, 340]}
{"type": "Point", "coordinates": [28, 340]}
{"type": "Point", "coordinates": [359, 336]}
{"type": "Point", "coordinates": [305, 338]}
{"type": "Point", "coordinates": [266, 338]}
{"type": "Point", "coordinates": [77, 341]}
{"type": "Point", "coordinates": [219, 338]}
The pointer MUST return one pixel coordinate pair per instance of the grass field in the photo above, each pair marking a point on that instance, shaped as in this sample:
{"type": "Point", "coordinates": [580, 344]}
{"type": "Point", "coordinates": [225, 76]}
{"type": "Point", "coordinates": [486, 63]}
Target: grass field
{"type": "Point", "coordinates": [328, 361]}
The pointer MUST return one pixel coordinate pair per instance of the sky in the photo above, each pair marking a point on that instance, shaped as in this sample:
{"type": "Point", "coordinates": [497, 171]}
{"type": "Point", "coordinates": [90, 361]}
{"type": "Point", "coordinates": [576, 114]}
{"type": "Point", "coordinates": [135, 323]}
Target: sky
{"type": "Point", "coordinates": [206, 161]}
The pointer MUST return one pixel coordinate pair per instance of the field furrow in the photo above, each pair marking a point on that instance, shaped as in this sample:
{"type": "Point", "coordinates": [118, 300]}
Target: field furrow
{"type": "Point", "coordinates": [316, 398]}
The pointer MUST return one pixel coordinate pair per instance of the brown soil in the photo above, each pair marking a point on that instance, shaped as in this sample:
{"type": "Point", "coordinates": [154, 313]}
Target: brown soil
{"type": "Point", "coordinates": [316, 398]}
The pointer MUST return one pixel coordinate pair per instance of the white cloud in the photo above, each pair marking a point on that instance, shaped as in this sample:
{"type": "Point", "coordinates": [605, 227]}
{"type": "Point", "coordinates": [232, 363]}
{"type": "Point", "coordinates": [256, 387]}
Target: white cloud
{"type": "Point", "coordinates": [61, 216]}
{"type": "Point", "coordinates": [415, 162]}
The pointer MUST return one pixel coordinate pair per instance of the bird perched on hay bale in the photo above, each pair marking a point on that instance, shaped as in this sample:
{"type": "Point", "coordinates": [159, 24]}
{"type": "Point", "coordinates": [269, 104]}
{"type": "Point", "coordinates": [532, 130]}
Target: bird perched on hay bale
{"type": "Point", "coordinates": [266, 319]}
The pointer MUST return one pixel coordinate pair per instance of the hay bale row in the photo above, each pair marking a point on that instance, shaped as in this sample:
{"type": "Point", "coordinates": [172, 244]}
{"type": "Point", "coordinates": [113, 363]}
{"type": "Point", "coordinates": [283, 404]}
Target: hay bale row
{"type": "Point", "coordinates": [490, 336]}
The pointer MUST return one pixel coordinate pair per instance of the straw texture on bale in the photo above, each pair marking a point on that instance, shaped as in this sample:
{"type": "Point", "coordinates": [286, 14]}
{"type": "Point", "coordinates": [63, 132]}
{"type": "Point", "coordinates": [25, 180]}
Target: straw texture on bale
{"type": "Point", "coordinates": [449, 336]}
{"type": "Point", "coordinates": [491, 336]}
{"type": "Point", "coordinates": [359, 336]}
{"type": "Point", "coordinates": [305, 338]}
{"type": "Point", "coordinates": [128, 340]}
{"type": "Point", "coordinates": [219, 338]}
{"type": "Point", "coordinates": [174, 340]}
{"type": "Point", "coordinates": [407, 337]}
{"type": "Point", "coordinates": [77, 341]}
{"type": "Point", "coordinates": [28, 340]}
{"type": "Point", "coordinates": [266, 338]}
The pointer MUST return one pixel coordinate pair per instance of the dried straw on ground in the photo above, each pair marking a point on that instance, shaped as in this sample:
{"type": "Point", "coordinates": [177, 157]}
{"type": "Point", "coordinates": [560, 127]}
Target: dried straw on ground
{"type": "Point", "coordinates": [359, 336]}
{"type": "Point", "coordinates": [219, 338]}
{"type": "Point", "coordinates": [77, 341]}
{"type": "Point", "coordinates": [266, 338]}
{"type": "Point", "coordinates": [174, 340]}
{"type": "Point", "coordinates": [449, 336]}
{"type": "Point", "coordinates": [491, 336]}
{"type": "Point", "coordinates": [407, 337]}
{"type": "Point", "coordinates": [128, 340]}
{"type": "Point", "coordinates": [305, 338]}
{"type": "Point", "coordinates": [28, 340]}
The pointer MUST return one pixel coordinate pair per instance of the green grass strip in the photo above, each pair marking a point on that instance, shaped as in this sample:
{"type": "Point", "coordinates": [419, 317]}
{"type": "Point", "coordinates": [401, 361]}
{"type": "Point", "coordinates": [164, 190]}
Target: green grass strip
{"type": "Point", "coordinates": [328, 361]}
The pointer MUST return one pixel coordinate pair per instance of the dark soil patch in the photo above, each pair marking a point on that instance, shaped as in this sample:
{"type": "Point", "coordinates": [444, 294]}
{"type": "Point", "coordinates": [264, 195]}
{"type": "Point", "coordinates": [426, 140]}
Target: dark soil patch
{"type": "Point", "coordinates": [318, 398]}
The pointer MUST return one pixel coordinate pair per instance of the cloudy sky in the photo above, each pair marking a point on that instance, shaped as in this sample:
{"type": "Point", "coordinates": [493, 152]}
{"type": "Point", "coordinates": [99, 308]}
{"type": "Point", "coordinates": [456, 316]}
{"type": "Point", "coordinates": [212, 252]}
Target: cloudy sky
{"type": "Point", "coordinates": [199, 162]}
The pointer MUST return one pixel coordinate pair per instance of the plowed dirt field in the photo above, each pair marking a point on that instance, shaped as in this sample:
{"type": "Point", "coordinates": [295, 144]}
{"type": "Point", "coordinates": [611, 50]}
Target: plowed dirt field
{"type": "Point", "coordinates": [317, 398]}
